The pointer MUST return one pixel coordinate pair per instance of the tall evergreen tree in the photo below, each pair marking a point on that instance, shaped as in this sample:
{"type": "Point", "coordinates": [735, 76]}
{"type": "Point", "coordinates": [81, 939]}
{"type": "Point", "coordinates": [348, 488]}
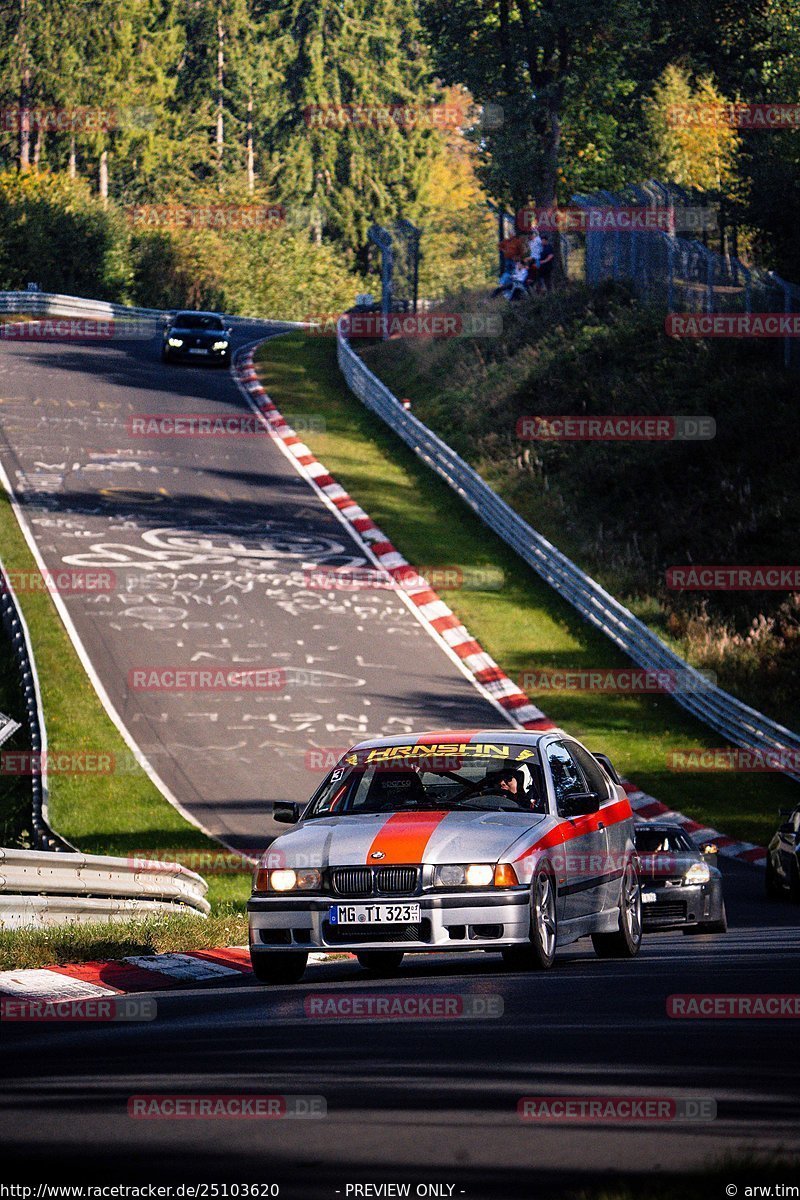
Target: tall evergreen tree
{"type": "Point", "coordinates": [341, 148]}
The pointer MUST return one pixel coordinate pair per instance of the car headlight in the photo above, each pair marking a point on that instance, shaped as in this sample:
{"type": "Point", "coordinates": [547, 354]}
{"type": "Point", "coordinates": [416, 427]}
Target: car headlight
{"type": "Point", "coordinates": [697, 873]}
{"type": "Point", "coordinates": [474, 875]}
{"type": "Point", "coordinates": [176, 342]}
{"type": "Point", "coordinates": [286, 879]}
{"type": "Point", "coordinates": [220, 346]}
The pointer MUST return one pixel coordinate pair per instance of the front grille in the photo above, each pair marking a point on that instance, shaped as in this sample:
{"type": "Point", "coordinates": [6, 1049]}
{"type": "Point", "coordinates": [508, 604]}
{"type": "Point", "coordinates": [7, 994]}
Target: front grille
{"type": "Point", "coordinates": [396, 881]}
{"type": "Point", "coordinates": [348, 935]}
{"type": "Point", "coordinates": [365, 881]}
{"type": "Point", "coordinates": [352, 881]}
{"type": "Point", "coordinates": [668, 911]}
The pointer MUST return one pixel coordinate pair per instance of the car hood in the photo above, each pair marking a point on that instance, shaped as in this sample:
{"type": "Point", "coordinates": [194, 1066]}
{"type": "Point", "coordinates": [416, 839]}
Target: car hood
{"type": "Point", "coordinates": [417, 837]}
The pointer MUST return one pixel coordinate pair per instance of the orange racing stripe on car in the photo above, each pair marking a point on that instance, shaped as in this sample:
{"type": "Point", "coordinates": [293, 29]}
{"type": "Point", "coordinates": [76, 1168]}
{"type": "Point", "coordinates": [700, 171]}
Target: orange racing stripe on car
{"type": "Point", "coordinates": [404, 837]}
{"type": "Point", "coordinates": [570, 828]}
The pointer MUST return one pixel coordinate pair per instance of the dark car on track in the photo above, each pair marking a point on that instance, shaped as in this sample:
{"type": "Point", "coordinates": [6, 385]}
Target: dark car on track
{"type": "Point", "coordinates": [196, 337]}
{"type": "Point", "coordinates": [783, 858]}
{"type": "Point", "coordinates": [681, 889]}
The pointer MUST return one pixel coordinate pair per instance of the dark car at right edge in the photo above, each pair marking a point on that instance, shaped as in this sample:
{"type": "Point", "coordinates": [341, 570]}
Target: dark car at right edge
{"type": "Point", "coordinates": [783, 858]}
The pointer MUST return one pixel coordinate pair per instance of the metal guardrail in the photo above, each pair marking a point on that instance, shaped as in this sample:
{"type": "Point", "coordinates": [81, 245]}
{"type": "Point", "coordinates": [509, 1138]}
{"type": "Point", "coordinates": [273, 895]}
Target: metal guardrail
{"type": "Point", "coordinates": [13, 621]}
{"type": "Point", "coordinates": [739, 724]}
{"type": "Point", "coordinates": [40, 888]}
{"type": "Point", "coordinates": [53, 304]}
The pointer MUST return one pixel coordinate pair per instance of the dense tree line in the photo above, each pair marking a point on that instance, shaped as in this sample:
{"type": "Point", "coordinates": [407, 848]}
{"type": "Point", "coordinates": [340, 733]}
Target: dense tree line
{"type": "Point", "coordinates": [347, 112]}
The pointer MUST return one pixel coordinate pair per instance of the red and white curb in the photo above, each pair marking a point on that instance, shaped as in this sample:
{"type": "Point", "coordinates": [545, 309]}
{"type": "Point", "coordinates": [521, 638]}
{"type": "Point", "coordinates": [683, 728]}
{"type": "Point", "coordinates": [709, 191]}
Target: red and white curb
{"type": "Point", "coordinates": [434, 612]}
{"type": "Point", "coordinates": [439, 618]}
{"type": "Point", "coordinates": [121, 977]}
{"type": "Point", "coordinates": [647, 808]}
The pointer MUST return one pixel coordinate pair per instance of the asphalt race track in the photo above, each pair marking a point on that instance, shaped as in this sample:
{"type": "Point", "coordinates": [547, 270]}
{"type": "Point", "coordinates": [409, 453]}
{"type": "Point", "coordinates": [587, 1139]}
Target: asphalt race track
{"type": "Point", "coordinates": [427, 1100]}
{"type": "Point", "coordinates": [211, 544]}
{"type": "Point", "coordinates": [185, 524]}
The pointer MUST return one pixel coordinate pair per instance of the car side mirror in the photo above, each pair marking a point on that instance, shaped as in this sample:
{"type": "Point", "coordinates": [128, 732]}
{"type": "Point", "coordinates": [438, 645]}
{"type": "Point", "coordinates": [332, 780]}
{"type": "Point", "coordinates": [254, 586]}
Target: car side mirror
{"type": "Point", "coordinates": [286, 812]}
{"type": "Point", "coordinates": [578, 804]}
{"type": "Point", "coordinates": [709, 848]}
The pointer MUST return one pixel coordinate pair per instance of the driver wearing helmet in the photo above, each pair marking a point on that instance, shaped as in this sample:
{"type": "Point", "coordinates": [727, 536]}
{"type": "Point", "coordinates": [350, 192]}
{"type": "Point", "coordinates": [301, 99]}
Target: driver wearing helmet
{"type": "Point", "coordinates": [518, 783]}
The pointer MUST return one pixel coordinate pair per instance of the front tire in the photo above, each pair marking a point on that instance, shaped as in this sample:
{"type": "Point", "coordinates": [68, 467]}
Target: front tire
{"type": "Point", "coordinates": [279, 966]}
{"type": "Point", "coordinates": [540, 951]}
{"type": "Point", "coordinates": [794, 881]}
{"type": "Point", "coordinates": [626, 941]}
{"type": "Point", "coordinates": [772, 884]}
{"type": "Point", "coordinates": [380, 962]}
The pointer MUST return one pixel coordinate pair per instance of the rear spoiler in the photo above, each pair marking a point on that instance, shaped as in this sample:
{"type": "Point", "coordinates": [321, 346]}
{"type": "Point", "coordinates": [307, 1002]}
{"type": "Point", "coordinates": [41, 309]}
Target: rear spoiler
{"type": "Point", "coordinates": [605, 761]}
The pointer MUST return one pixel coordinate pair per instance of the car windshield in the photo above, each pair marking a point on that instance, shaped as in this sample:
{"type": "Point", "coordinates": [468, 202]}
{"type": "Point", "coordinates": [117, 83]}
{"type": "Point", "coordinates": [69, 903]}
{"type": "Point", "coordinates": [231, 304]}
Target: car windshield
{"type": "Point", "coordinates": [497, 778]}
{"type": "Point", "coordinates": [661, 841]}
{"type": "Point", "coordinates": [190, 320]}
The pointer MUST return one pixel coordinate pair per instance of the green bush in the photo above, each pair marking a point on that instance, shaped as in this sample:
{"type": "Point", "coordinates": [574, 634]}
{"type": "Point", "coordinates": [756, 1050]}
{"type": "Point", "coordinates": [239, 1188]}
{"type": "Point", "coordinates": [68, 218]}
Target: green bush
{"type": "Point", "coordinates": [55, 232]}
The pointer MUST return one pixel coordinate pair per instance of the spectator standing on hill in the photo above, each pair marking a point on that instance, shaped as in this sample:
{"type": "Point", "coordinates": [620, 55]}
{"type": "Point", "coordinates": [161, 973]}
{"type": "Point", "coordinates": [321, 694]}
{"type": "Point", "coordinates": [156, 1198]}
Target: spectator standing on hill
{"type": "Point", "coordinates": [514, 249]}
{"type": "Point", "coordinates": [547, 262]}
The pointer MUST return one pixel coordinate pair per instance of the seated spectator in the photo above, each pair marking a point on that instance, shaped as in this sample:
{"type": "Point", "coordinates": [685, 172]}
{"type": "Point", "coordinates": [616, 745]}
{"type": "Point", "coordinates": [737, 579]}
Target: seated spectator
{"type": "Point", "coordinates": [519, 281]}
{"type": "Point", "coordinates": [505, 283]}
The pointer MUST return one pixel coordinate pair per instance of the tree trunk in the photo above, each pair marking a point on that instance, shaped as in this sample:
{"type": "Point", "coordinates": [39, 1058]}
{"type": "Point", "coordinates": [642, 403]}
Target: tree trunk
{"type": "Point", "coordinates": [251, 170]}
{"type": "Point", "coordinates": [104, 176]}
{"type": "Point", "coordinates": [24, 91]}
{"type": "Point", "coordinates": [549, 196]}
{"type": "Point", "coordinates": [37, 145]}
{"type": "Point", "coordinates": [220, 85]}
{"type": "Point", "coordinates": [72, 168]}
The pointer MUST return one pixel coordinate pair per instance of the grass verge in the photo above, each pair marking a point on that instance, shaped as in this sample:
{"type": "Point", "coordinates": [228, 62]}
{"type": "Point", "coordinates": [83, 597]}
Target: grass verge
{"type": "Point", "coordinates": [121, 813]}
{"type": "Point", "coordinates": [162, 934]}
{"type": "Point", "coordinates": [522, 623]}
{"type": "Point", "coordinates": [626, 511]}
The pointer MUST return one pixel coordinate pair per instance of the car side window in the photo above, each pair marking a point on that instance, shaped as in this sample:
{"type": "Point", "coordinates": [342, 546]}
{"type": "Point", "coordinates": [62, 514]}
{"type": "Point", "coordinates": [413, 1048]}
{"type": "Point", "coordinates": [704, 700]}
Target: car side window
{"type": "Point", "coordinates": [567, 777]}
{"type": "Point", "coordinates": [592, 771]}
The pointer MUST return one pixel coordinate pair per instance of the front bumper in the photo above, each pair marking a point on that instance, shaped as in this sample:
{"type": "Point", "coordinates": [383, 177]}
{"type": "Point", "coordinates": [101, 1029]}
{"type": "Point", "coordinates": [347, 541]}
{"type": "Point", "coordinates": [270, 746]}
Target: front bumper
{"type": "Point", "coordinates": [184, 354]}
{"type": "Point", "coordinates": [448, 921]}
{"type": "Point", "coordinates": [676, 907]}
